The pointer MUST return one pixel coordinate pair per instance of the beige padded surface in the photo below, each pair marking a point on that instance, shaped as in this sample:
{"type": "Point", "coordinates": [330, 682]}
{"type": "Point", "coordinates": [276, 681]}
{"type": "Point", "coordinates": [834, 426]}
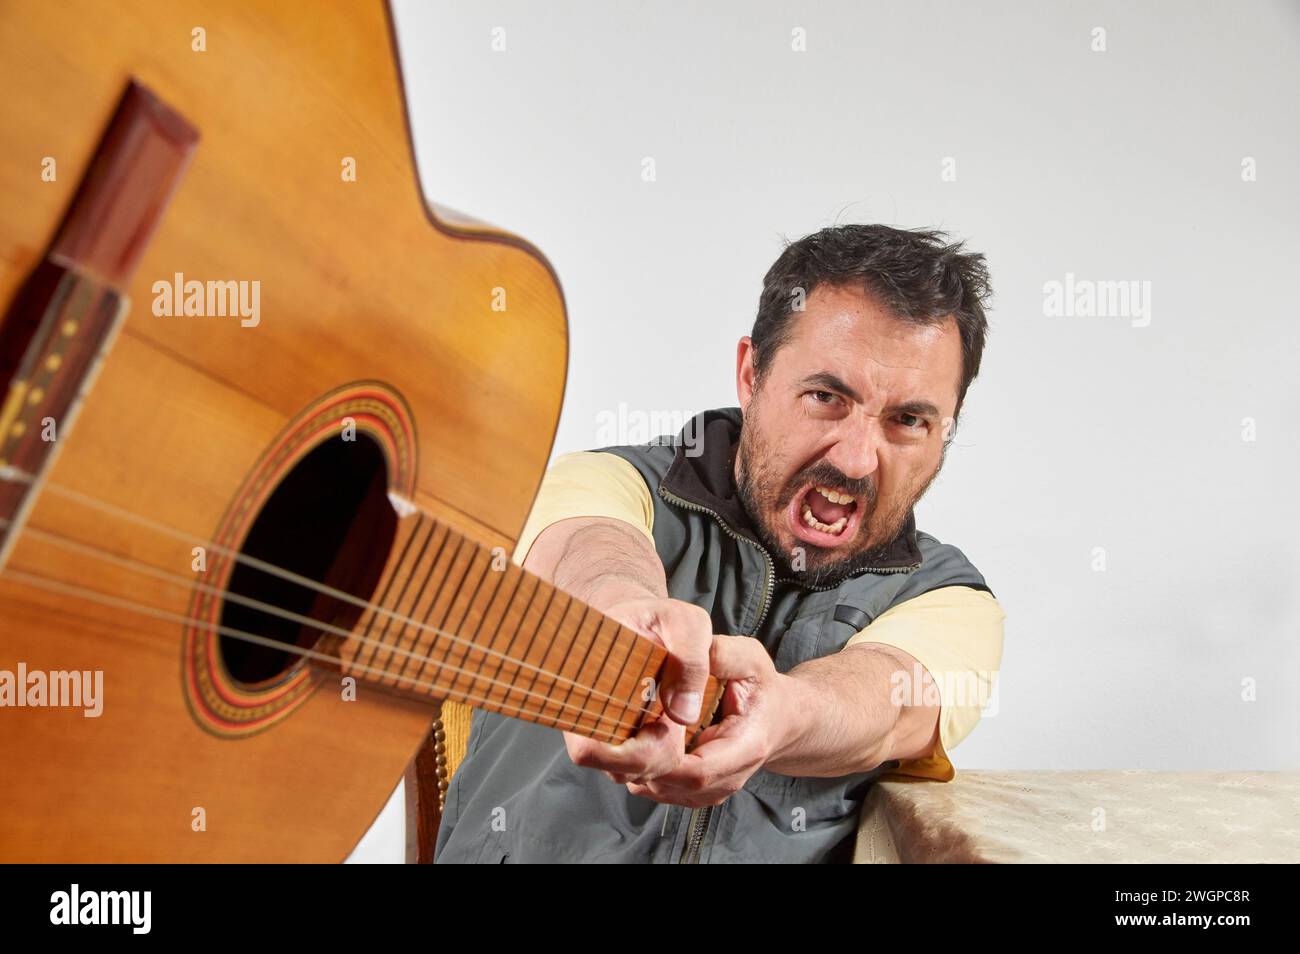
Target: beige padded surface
{"type": "Point", "coordinates": [1128, 817]}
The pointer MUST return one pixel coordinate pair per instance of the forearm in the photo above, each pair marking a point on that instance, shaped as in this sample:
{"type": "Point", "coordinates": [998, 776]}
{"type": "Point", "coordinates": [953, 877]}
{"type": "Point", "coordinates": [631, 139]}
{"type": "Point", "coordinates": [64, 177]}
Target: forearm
{"type": "Point", "coordinates": [842, 714]}
{"type": "Point", "coordinates": [598, 561]}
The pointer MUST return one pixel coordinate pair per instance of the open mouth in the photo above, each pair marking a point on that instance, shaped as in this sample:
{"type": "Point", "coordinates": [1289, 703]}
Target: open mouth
{"type": "Point", "coordinates": [824, 516]}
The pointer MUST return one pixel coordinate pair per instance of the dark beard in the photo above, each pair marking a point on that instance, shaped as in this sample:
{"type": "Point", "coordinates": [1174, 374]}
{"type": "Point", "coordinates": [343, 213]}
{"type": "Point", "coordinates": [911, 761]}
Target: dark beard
{"type": "Point", "coordinates": [815, 573]}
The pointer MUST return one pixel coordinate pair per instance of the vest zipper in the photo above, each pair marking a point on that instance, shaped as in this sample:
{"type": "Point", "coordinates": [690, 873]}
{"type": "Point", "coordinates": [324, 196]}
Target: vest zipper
{"type": "Point", "coordinates": [769, 568]}
{"type": "Point", "coordinates": [871, 569]}
{"type": "Point", "coordinates": [699, 821]}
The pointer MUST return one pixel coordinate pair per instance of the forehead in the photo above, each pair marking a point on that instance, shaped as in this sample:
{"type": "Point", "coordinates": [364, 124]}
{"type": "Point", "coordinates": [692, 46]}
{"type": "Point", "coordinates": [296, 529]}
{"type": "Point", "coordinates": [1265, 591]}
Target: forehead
{"type": "Point", "coordinates": [846, 331]}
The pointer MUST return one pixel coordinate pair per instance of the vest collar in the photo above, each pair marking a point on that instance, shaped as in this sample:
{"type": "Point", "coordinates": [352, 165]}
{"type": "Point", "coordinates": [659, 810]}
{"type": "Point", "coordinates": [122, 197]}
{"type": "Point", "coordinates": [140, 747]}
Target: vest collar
{"type": "Point", "coordinates": [703, 474]}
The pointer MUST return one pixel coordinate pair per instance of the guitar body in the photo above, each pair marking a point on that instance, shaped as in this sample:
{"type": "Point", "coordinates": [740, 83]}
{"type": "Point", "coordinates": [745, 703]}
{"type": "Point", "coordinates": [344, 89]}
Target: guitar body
{"type": "Point", "coordinates": [375, 309]}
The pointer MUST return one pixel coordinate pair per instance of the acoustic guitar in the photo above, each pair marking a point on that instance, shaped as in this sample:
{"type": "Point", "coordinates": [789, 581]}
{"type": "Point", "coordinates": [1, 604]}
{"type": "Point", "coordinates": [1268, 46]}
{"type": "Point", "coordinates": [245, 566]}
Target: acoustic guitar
{"type": "Point", "coordinates": [272, 424]}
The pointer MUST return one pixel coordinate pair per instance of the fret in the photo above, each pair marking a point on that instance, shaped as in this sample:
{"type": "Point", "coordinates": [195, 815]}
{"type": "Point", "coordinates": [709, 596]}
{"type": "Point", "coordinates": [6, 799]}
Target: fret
{"type": "Point", "coordinates": [449, 591]}
{"type": "Point", "coordinates": [500, 640]}
{"type": "Point", "coordinates": [641, 655]}
{"type": "Point", "coordinates": [565, 664]}
{"type": "Point", "coordinates": [445, 637]}
{"type": "Point", "coordinates": [615, 691]}
{"type": "Point", "coordinates": [451, 664]}
{"type": "Point", "coordinates": [429, 584]}
{"type": "Point", "coordinates": [502, 593]}
{"type": "Point", "coordinates": [395, 654]}
{"type": "Point", "coordinates": [562, 680]}
{"type": "Point", "coordinates": [540, 667]}
{"type": "Point", "coordinates": [580, 681]}
{"type": "Point", "coordinates": [350, 651]}
{"type": "Point", "coordinates": [543, 608]}
{"type": "Point", "coordinates": [394, 626]}
{"type": "Point", "coordinates": [425, 637]}
{"type": "Point", "coordinates": [603, 684]}
{"type": "Point", "coordinates": [532, 586]}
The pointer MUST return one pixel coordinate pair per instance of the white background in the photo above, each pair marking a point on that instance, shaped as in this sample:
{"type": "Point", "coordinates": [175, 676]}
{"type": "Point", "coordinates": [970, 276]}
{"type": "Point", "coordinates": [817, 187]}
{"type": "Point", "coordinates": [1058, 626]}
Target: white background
{"type": "Point", "coordinates": [1080, 432]}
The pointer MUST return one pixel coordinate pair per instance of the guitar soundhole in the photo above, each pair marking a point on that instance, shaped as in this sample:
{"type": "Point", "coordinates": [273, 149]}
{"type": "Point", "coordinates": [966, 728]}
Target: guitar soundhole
{"type": "Point", "coordinates": [329, 520]}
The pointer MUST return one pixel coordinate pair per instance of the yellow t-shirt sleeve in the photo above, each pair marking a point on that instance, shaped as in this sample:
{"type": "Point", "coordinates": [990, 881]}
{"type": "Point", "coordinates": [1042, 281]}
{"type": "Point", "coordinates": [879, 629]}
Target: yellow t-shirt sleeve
{"type": "Point", "coordinates": [955, 632]}
{"type": "Point", "coordinates": [588, 484]}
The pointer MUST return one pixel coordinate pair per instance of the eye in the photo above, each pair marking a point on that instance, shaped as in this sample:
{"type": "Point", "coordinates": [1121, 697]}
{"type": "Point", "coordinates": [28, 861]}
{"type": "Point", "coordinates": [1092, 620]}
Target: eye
{"type": "Point", "coordinates": [911, 421]}
{"type": "Point", "coordinates": [823, 397]}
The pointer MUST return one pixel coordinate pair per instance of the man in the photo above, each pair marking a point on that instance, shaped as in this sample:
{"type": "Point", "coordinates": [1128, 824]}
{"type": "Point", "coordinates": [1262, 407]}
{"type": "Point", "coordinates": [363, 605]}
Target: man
{"type": "Point", "coordinates": [853, 645]}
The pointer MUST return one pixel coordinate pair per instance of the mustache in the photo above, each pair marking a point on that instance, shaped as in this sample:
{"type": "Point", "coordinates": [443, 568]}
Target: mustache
{"type": "Point", "coordinates": [828, 475]}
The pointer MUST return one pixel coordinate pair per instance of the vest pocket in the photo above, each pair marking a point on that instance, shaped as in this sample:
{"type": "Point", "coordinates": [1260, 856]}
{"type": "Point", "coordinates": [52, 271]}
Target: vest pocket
{"type": "Point", "coordinates": [788, 819]}
{"type": "Point", "coordinates": [787, 797]}
{"type": "Point", "coordinates": [814, 635]}
{"type": "Point", "coordinates": [827, 620]}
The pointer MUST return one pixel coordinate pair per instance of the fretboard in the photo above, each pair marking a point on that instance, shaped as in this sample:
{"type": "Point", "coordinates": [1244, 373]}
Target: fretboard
{"type": "Point", "coordinates": [451, 619]}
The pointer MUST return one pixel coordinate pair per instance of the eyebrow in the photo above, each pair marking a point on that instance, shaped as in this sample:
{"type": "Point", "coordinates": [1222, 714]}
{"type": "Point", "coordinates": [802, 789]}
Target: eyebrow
{"type": "Point", "coordinates": [827, 381]}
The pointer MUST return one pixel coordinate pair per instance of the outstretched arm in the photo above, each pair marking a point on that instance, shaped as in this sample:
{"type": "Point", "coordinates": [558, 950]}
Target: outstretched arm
{"type": "Point", "coordinates": [872, 702]}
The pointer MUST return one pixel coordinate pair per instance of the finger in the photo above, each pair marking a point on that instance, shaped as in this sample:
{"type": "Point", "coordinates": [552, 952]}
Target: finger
{"type": "Point", "coordinates": [738, 657]}
{"type": "Point", "coordinates": [687, 634]}
{"type": "Point", "coordinates": [720, 756]}
{"type": "Point", "coordinates": [707, 733]}
{"type": "Point", "coordinates": [654, 793]}
{"type": "Point", "coordinates": [668, 795]}
{"type": "Point", "coordinates": [642, 753]}
{"type": "Point", "coordinates": [687, 776]}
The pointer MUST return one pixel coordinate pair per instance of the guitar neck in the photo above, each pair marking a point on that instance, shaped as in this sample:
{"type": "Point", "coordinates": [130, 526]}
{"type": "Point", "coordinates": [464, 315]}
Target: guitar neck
{"type": "Point", "coordinates": [453, 619]}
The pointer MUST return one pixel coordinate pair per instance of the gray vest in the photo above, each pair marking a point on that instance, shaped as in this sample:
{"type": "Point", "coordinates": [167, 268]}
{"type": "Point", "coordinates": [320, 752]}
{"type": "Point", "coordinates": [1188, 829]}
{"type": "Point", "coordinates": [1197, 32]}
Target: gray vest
{"type": "Point", "coordinates": [517, 797]}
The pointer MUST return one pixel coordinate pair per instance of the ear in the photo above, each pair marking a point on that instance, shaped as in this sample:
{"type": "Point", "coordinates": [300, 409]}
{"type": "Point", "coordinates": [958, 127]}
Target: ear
{"type": "Point", "coordinates": [745, 372]}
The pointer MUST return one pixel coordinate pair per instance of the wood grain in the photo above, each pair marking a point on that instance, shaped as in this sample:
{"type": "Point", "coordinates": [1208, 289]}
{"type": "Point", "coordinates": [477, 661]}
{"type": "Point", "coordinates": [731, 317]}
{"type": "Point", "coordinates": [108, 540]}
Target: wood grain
{"type": "Point", "coordinates": [359, 280]}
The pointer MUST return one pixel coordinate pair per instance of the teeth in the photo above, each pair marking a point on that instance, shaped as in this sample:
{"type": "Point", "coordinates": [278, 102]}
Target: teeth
{"type": "Point", "coordinates": [812, 521]}
{"type": "Point", "coordinates": [834, 496]}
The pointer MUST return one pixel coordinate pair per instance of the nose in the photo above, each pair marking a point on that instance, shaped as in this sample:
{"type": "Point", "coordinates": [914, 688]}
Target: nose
{"type": "Point", "coordinates": [856, 448]}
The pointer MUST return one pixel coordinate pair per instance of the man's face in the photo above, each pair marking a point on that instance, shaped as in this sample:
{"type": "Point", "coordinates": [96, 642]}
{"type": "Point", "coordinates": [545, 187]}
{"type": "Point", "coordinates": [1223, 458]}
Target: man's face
{"type": "Point", "coordinates": [857, 403]}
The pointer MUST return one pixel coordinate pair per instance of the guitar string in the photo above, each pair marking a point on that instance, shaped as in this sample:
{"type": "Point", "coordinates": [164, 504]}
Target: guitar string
{"type": "Point", "coordinates": [184, 582]}
{"type": "Point", "coordinates": [11, 473]}
{"type": "Point", "coordinates": [73, 589]}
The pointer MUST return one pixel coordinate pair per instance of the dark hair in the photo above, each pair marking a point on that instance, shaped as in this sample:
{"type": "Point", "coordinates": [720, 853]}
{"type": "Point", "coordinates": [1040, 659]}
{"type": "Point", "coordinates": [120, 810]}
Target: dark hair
{"type": "Point", "coordinates": [914, 273]}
